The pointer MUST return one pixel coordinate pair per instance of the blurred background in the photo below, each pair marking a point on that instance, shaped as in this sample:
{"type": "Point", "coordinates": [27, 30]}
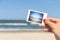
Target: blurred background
{"type": "Point", "coordinates": [17, 9]}
{"type": "Point", "coordinates": [13, 13]}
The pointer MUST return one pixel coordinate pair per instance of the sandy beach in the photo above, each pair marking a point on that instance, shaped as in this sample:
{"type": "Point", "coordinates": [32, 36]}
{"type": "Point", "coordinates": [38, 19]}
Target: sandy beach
{"type": "Point", "coordinates": [26, 36]}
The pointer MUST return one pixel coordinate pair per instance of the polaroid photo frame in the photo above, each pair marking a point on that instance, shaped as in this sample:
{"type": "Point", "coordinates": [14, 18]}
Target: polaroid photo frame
{"type": "Point", "coordinates": [36, 17]}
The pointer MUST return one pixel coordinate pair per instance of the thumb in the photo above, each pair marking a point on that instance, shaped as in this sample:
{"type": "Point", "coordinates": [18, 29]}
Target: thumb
{"type": "Point", "coordinates": [49, 23]}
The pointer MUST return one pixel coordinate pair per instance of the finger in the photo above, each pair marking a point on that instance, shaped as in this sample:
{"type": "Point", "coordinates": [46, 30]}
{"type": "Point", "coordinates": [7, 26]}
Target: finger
{"type": "Point", "coordinates": [49, 23]}
{"type": "Point", "coordinates": [40, 25]}
{"type": "Point", "coordinates": [45, 30]}
{"type": "Point", "coordinates": [53, 19]}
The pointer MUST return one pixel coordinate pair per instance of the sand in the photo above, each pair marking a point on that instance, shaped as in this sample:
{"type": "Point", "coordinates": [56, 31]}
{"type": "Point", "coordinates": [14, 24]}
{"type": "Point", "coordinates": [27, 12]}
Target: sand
{"type": "Point", "coordinates": [26, 36]}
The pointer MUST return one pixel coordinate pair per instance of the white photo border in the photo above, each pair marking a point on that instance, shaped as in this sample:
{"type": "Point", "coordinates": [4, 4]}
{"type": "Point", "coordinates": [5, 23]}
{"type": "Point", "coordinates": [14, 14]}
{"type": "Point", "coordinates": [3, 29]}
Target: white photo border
{"type": "Point", "coordinates": [44, 16]}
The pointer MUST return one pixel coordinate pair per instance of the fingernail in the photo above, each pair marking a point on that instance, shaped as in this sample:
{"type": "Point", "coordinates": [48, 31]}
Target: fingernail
{"type": "Point", "coordinates": [44, 20]}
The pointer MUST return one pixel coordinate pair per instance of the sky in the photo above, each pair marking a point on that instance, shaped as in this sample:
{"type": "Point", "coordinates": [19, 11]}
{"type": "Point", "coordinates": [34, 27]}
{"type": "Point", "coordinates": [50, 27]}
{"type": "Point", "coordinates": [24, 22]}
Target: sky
{"type": "Point", "coordinates": [18, 9]}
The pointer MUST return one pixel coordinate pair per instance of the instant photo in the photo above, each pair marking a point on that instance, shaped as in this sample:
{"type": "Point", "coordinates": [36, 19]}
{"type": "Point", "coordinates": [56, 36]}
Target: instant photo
{"type": "Point", "coordinates": [35, 16]}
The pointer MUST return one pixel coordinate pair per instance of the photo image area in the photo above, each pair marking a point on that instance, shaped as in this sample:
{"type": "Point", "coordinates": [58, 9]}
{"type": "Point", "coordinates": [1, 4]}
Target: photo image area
{"type": "Point", "coordinates": [35, 17]}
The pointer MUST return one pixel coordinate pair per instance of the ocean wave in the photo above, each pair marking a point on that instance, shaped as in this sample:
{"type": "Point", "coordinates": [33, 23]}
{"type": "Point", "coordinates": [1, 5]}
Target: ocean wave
{"type": "Point", "coordinates": [13, 24]}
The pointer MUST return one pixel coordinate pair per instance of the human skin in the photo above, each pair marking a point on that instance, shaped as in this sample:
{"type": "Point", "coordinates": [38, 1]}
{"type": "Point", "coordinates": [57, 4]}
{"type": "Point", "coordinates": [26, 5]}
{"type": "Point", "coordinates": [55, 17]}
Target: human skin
{"type": "Point", "coordinates": [53, 25]}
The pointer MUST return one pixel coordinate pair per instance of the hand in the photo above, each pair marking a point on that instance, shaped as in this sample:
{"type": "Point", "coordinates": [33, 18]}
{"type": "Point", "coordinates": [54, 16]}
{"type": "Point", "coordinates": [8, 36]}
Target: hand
{"type": "Point", "coordinates": [53, 25]}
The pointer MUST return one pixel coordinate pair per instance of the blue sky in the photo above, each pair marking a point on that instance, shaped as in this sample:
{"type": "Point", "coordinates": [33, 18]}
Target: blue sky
{"type": "Point", "coordinates": [17, 9]}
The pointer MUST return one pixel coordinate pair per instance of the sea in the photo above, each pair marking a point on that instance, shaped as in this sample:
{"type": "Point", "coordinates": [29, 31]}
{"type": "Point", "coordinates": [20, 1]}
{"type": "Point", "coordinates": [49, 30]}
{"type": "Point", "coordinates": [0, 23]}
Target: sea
{"type": "Point", "coordinates": [17, 25]}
